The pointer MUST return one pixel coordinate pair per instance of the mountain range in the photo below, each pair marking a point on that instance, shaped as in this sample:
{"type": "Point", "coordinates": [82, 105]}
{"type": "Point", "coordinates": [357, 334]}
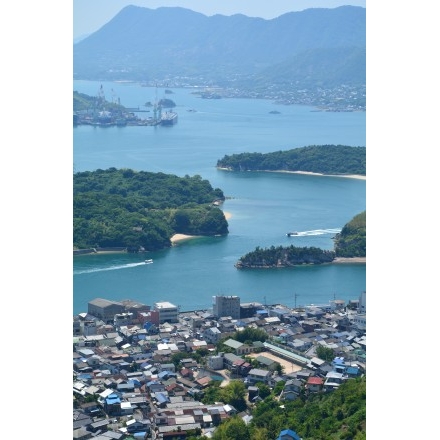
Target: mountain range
{"type": "Point", "coordinates": [315, 47]}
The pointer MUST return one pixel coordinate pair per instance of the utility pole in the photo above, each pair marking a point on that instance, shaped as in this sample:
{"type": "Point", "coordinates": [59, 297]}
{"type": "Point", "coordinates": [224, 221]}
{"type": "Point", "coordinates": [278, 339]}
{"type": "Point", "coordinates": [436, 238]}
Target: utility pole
{"type": "Point", "coordinates": [296, 296]}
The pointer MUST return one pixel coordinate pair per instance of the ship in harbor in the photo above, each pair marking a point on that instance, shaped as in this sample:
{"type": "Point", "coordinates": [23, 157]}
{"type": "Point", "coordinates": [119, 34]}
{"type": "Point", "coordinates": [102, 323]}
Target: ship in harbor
{"type": "Point", "coordinates": [168, 118]}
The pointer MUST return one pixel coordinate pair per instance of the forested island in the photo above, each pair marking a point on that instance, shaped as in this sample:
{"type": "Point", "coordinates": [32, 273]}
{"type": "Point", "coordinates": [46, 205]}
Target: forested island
{"type": "Point", "coordinates": [141, 210]}
{"type": "Point", "coordinates": [322, 159]}
{"type": "Point", "coordinates": [284, 257]}
{"type": "Point", "coordinates": [352, 240]}
{"type": "Point", "coordinates": [349, 243]}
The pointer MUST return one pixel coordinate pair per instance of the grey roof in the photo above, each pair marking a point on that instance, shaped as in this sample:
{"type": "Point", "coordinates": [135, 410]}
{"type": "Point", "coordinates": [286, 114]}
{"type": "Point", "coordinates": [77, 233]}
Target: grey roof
{"type": "Point", "coordinates": [101, 302]}
{"type": "Point", "coordinates": [259, 372]}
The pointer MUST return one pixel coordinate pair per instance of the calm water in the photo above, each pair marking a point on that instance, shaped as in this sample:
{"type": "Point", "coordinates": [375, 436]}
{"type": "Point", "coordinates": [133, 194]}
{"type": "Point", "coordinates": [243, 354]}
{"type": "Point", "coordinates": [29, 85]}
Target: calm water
{"type": "Point", "coordinates": [264, 206]}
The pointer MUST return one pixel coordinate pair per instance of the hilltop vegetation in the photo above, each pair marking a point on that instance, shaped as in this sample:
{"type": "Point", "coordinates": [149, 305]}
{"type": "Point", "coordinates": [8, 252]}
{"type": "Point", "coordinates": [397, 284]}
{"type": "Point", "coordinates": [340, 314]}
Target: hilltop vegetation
{"type": "Point", "coordinates": [324, 159]}
{"type": "Point", "coordinates": [352, 240]}
{"type": "Point", "coordinates": [127, 208]}
{"type": "Point", "coordinates": [338, 415]}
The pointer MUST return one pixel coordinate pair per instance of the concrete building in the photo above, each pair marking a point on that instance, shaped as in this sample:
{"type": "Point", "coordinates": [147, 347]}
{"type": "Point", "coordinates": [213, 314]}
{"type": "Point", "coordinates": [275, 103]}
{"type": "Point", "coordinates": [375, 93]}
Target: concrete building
{"type": "Point", "coordinates": [105, 309]}
{"type": "Point", "coordinates": [362, 303]}
{"type": "Point", "coordinates": [215, 362]}
{"type": "Point", "coordinates": [226, 306]}
{"type": "Point", "coordinates": [167, 312]}
{"type": "Point", "coordinates": [248, 310]}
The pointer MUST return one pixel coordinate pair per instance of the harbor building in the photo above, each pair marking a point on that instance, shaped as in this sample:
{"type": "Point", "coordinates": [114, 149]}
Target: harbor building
{"type": "Point", "coordinates": [105, 309]}
{"type": "Point", "coordinates": [167, 312]}
{"type": "Point", "coordinates": [226, 306]}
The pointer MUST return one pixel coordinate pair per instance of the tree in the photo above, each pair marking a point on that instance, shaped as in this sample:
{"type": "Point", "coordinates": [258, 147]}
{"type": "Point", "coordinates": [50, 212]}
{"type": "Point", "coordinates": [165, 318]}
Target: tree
{"type": "Point", "coordinates": [263, 389]}
{"type": "Point", "coordinates": [325, 353]}
{"type": "Point", "coordinates": [232, 429]}
{"type": "Point", "coordinates": [234, 393]}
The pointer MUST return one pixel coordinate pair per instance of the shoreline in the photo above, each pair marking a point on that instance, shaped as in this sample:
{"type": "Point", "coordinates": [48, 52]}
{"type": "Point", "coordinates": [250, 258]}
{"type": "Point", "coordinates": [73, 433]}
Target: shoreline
{"type": "Point", "coordinates": [345, 260]}
{"type": "Point", "coordinates": [349, 176]}
{"type": "Point", "coordinates": [177, 238]}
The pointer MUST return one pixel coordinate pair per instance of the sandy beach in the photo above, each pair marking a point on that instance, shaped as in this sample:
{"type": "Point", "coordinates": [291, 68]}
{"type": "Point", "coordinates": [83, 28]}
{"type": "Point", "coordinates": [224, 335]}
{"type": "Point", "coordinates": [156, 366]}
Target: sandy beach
{"type": "Point", "coordinates": [181, 237]}
{"type": "Point", "coordinates": [349, 176]}
{"type": "Point", "coordinates": [339, 260]}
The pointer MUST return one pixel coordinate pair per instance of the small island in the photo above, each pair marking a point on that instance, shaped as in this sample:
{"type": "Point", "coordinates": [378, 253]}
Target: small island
{"type": "Point", "coordinates": [350, 246]}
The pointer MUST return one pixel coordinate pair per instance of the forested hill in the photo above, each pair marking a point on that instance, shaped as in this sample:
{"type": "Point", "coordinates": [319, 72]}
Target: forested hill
{"type": "Point", "coordinates": [307, 49]}
{"type": "Point", "coordinates": [324, 159]}
{"type": "Point", "coordinates": [139, 209]}
{"type": "Point", "coordinates": [352, 240]}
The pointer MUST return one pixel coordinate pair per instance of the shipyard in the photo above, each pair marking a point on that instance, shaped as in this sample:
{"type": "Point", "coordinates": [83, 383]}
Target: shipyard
{"type": "Point", "coordinates": [99, 112]}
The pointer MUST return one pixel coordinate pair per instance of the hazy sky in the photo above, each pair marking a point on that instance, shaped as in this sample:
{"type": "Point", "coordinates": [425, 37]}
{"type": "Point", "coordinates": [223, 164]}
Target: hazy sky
{"type": "Point", "coordinates": [90, 15]}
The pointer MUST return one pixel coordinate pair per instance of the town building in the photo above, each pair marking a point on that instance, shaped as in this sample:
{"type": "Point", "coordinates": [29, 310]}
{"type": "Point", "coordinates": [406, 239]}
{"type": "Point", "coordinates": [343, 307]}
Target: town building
{"type": "Point", "coordinates": [105, 309]}
{"type": "Point", "coordinates": [226, 306]}
{"type": "Point", "coordinates": [167, 312]}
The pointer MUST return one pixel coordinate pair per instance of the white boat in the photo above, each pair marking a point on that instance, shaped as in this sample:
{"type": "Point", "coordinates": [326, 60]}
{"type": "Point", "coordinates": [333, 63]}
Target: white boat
{"type": "Point", "coordinates": [289, 234]}
{"type": "Point", "coordinates": [149, 261]}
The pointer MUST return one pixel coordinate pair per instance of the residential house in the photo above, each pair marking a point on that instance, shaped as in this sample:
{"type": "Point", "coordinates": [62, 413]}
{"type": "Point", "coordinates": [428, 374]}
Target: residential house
{"type": "Point", "coordinates": [333, 380]}
{"type": "Point", "coordinates": [257, 375]}
{"type": "Point", "coordinates": [292, 389]}
{"type": "Point", "coordinates": [266, 362]}
{"type": "Point", "coordinates": [314, 384]}
{"type": "Point", "coordinates": [238, 347]}
{"type": "Point", "coordinates": [288, 434]}
{"type": "Point", "coordinates": [212, 335]}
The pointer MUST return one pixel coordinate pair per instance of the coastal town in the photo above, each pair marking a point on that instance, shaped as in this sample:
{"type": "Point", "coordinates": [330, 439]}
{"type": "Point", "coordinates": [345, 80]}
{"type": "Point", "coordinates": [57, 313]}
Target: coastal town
{"type": "Point", "coordinates": [141, 371]}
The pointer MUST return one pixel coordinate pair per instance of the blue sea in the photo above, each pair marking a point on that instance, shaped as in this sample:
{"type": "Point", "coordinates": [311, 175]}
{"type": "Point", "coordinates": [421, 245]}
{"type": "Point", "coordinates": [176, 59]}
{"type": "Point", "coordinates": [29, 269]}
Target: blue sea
{"type": "Point", "coordinates": [263, 206]}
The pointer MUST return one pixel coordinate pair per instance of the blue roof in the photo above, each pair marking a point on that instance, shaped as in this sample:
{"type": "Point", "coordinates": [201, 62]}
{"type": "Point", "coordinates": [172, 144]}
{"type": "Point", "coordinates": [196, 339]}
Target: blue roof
{"type": "Point", "coordinates": [352, 370]}
{"type": "Point", "coordinates": [111, 400]}
{"type": "Point", "coordinates": [161, 398]}
{"type": "Point", "coordinates": [289, 432]}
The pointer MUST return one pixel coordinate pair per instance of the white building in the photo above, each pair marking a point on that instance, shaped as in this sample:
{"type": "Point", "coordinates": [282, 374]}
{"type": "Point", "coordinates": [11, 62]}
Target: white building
{"type": "Point", "coordinates": [167, 312]}
{"type": "Point", "coordinates": [215, 362]}
{"type": "Point", "coordinates": [212, 335]}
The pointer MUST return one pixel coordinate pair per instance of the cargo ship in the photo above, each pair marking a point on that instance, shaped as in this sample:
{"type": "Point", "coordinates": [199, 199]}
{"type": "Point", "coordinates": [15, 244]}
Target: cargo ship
{"type": "Point", "coordinates": [168, 118]}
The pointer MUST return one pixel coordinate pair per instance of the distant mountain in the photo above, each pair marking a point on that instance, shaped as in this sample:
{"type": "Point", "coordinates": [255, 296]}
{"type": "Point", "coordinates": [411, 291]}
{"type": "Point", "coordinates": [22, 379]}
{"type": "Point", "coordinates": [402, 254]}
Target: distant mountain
{"type": "Point", "coordinates": [319, 46]}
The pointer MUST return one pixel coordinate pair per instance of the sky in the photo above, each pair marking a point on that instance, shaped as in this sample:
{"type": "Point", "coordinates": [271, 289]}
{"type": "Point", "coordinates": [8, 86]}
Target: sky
{"type": "Point", "coordinates": [91, 15]}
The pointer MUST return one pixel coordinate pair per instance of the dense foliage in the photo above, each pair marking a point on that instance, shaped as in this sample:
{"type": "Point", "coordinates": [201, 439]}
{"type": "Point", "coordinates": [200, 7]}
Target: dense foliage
{"type": "Point", "coordinates": [352, 240]}
{"type": "Point", "coordinates": [324, 159]}
{"type": "Point", "coordinates": [284, 256]}
{"type": "Point", "coordinates": [126, 208]}
{"type": "Point", "coordinates": [234, 393]}
{"type": "Point", "coordinates": [340, 414]}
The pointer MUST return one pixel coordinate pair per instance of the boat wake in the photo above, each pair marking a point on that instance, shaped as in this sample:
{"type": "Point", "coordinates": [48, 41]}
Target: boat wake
{"type": "Point", "coordinates": [316, 232]}
{"type": "Point", "coordinates": [104, 269]}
